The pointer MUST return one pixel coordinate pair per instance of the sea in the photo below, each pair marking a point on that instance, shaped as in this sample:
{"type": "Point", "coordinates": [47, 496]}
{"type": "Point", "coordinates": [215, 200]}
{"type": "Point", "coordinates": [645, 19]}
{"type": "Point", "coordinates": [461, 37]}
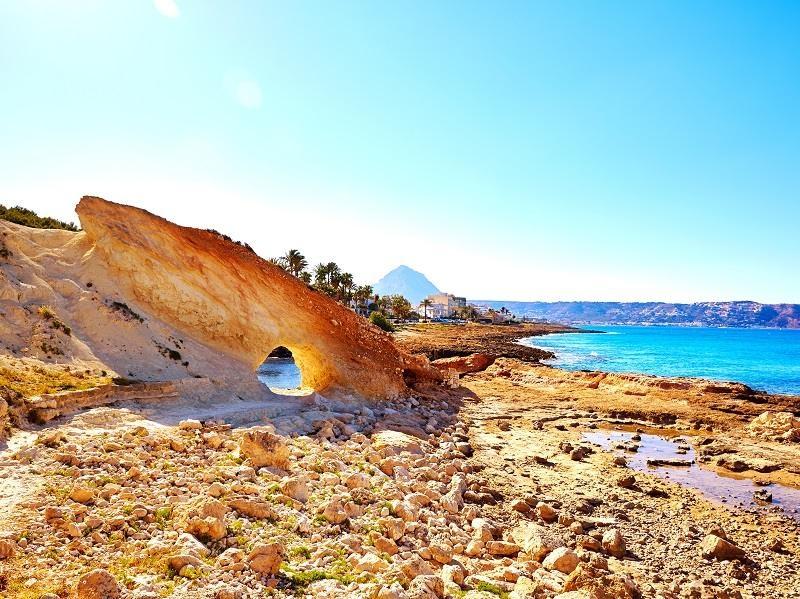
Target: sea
{"type": "Point", "coordinates": [764, 359]}
{"type": "Point", "coordinates": [279, 373]}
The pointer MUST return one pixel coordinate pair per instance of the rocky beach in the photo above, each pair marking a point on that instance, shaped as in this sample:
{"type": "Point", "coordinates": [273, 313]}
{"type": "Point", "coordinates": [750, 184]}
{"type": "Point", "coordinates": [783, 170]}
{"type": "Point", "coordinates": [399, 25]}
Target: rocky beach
{"type": "Point", "coordinates": [442, 461]}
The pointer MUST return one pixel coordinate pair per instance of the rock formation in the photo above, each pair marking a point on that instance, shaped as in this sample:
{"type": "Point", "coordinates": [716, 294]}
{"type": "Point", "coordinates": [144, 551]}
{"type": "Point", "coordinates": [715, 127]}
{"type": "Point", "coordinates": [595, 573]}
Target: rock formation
{"type": "Point", "coordinates": [140, 296]}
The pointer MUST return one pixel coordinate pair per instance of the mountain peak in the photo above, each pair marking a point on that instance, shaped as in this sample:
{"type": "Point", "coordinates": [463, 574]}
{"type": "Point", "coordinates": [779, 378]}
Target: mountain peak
{"type": "Point", "coordinates": [406, 281]}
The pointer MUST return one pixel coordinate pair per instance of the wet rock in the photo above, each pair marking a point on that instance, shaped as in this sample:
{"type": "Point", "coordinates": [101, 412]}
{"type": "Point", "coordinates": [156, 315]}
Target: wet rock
{"type": "Point", "coordinates": [763, 496]}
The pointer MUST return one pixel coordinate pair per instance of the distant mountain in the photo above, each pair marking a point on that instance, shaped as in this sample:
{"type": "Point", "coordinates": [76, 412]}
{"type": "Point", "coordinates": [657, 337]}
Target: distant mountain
{"type": "Point", "coordinates": [413, 285]}
{"type": "Point", "coordinates": [710, 314]}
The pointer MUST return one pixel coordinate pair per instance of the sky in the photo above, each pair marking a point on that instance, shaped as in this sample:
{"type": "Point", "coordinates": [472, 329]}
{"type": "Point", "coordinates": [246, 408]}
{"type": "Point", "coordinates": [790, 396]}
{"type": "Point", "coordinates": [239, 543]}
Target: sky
{"type": "Point", "coordinates": [514, 151]}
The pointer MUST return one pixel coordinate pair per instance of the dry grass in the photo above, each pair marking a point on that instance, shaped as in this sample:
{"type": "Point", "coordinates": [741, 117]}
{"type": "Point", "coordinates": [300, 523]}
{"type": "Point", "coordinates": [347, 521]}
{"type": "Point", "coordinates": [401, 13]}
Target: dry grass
{"type": "Point", "coordinates": [31, 377]}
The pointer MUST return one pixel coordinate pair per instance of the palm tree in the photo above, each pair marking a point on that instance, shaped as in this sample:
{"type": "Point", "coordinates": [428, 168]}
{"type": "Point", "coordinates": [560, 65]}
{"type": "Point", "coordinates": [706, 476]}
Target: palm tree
{"type": "Point", "coordinates": [346, 283]}
{"type": "Point", "coordinates": [280, 262]}
{"type": "Point", "coordinates": [425, 303]}
{"type": "Point", "coordinates": [296, 262]}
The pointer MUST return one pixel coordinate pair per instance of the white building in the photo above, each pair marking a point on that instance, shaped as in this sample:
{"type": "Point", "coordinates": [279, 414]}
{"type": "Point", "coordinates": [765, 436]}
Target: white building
{"type": "Point", "coordinates": [441, 305]}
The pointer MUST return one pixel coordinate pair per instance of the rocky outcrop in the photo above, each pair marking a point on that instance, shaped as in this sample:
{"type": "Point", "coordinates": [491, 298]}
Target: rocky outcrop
{"type": "Point", "coordinates": [140, 297]}
{"type": "Point", "coordinates": [227, 297]}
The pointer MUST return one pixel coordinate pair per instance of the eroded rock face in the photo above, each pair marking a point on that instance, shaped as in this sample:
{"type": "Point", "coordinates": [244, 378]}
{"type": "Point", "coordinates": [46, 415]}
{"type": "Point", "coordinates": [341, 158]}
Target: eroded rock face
{"type": "Point", "coordinates": [142, 298]}
{"type": "Point", "coordinates": [229, 298]}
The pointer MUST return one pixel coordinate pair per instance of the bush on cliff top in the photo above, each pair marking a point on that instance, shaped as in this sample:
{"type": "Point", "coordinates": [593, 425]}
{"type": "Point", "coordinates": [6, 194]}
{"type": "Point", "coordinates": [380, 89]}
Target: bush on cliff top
{"type": "Point", "coordinates": [23, 216]}
{"type": "Point", "coordinates": [378, 319]}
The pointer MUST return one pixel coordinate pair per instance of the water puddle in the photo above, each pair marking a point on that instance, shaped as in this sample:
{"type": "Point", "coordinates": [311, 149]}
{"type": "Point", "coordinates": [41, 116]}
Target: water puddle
{"type": "Point", "coordinates": [675, 460]}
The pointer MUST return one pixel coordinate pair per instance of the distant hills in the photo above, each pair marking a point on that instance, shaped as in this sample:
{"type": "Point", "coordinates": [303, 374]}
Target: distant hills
{"type": "Point", "coordinates": [411, 284]}
{"type": "Point", "coordinates": [710, 314]}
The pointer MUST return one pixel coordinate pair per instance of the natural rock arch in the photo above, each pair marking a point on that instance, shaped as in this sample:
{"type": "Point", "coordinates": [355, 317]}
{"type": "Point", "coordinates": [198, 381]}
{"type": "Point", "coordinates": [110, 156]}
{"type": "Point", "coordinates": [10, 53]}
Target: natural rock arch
{"type": "Point", "coordinates": [226, 297]}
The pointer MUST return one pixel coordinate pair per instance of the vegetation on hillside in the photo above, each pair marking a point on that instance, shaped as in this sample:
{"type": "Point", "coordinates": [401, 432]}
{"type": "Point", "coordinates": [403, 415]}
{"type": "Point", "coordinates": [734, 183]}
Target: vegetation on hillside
{"type": "Point", "coordinates": [23, 216]}
{"type": "Point", "coordinates": [380, 320]}
{"type": "Point", "coordinates": [31, 377]}
{"type": "Point", "coordinates": [330, 279]}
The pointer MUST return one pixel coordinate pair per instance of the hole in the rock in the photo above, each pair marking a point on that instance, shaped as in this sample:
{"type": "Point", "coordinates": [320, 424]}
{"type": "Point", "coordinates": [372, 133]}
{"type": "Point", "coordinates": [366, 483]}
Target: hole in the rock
{"type": "Point", "coordinates": [279, 371]}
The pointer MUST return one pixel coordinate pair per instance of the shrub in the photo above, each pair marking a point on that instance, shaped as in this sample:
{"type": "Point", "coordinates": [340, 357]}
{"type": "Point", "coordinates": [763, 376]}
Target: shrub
{"type": "Point", "coordinates": [23, 216]}
{"type": "Point", "coordinates": [46, 312]}
{"type": "Point", "coordinates": [379, 320]}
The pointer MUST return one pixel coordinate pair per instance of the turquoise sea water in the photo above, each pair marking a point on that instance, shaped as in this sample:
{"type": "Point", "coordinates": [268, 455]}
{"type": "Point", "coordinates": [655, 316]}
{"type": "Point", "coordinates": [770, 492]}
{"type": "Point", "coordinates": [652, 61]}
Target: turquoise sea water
{"type": "Point", "coordinates": [279, 373]}
{"type": "Point", "coordinates": [765, 359]}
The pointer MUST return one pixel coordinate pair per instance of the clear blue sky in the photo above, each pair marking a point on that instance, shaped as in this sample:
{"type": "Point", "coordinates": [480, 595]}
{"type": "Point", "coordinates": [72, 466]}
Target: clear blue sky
{"type": "Point", "coordinates": [559, 150]}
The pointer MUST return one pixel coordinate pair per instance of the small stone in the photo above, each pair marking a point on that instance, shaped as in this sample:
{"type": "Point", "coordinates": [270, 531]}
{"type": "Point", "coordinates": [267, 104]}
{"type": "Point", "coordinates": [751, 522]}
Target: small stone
{"type": "Point", "coordinates": [502, 548]}
{"type": "Point", "coordinates": [190, 425]}
{"type": "Point", "coordinates": [521, 506]}
{"type": "Point", "coordinates": [546, 512]}
{"type": "Point", "coordinates": [81, 494]}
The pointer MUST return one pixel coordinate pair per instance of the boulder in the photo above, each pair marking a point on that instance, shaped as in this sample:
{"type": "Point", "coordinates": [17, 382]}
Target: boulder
{"type": "Point", "coordinates": [464, 364]}
{"type": "Point", "coordinates": [537, 540]}
{"type": "Point", "coordinates": [598, 584]}
{"type": "Point", "coordinates": [257, 510]}
{"type": "Point", "coordinates": [562, 559]}
{"type": "Point", "coordinates": [98, 584]}
{"type": "Point", "coordinates": [714, 547]}
{"type": "Point", "coordinates": [266, 558]}
{"type": "Point", "coordinates": [264, 449]}
{"type": "Point", "coordinates": [396, 442]}
{"type": "Point", "coordinates": [613, 543]}
{"type": "Point", "coordinates": [777, 426]}
{"type": "Point", "coordinates": [203, 518]}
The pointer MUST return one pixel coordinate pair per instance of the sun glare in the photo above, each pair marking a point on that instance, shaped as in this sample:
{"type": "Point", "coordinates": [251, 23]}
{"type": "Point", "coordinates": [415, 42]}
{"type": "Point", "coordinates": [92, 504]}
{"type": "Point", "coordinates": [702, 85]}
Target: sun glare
{"type": "Point", "coordinates": [168, 8]}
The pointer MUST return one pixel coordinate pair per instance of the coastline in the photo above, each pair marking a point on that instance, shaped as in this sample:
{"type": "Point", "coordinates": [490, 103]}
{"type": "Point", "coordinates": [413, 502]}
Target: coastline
{"type": "Point", "coordinates": [700, 407]}
{"type": "Point", "coordinates": [584, 359]}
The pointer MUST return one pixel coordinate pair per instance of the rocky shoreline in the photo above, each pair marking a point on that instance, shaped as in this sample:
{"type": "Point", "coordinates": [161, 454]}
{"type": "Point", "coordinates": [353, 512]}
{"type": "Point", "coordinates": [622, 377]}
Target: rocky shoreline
{"type": "Point", "coordinates": [485, 489]}
{"type": "Point", "coordinates": [438, 341]}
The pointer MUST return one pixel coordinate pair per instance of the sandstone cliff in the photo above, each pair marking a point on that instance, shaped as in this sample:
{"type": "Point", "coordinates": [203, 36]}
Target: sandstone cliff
{"type": "Point", "coordinates": [137, 295]}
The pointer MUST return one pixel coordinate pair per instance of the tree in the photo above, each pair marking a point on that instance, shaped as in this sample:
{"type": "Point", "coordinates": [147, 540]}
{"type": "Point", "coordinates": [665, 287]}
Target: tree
{"type": "Point", "coordinates": [425, 303]}
{"type": "Point", "coordinates": [296, 262]}
{"type": "Point", "coordinates": [399, 306]}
